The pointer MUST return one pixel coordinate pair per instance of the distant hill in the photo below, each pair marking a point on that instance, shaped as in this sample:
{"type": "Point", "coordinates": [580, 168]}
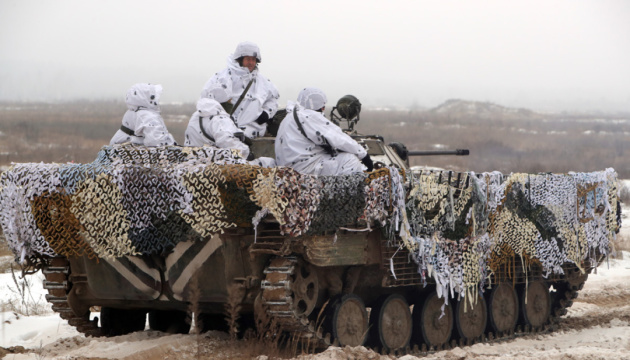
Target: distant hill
{"type": "Point", "coordinates": [457, 109]}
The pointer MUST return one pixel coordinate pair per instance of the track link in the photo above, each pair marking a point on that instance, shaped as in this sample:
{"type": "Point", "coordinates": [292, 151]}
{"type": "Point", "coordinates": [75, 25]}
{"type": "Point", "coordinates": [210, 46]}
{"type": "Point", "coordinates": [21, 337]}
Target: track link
{"type": "Point", "coordinates": [278, 304]}
{"type": "Point", "coordinates": [58, 284]}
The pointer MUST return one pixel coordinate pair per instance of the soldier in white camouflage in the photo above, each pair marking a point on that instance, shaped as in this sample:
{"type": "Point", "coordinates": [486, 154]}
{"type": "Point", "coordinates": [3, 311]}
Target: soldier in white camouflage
{"type": "Point", "coordinates": [312, 144]}
{"type": "Point", "coordinates": [142, 124]}
{"type": "Point", "coordinates": [252, 98]}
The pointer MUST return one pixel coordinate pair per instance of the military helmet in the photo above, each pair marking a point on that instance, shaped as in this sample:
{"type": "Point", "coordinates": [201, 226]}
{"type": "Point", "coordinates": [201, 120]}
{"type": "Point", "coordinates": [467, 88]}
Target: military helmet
{"type": "Point", "coordinates": [349, 107]}
{"type": "Point", "coordinates": [247, 48]}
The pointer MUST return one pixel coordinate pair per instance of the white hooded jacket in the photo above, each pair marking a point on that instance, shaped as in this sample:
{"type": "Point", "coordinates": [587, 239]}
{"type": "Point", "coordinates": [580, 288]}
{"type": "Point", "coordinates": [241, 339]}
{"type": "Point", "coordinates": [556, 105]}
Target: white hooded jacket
{"type": "Point", "coordinates": [230, 83]}
{"type": "Point", "coordinates": [306, 154]}
{"type": "Point", "coordinates": [143, 118]}
{"type": "Point", "coordinates": [216, 124]}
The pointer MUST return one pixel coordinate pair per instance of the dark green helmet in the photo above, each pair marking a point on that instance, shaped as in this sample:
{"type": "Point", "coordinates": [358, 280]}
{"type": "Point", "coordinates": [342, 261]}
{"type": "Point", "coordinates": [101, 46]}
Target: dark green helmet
{"type": "Point", "coordinates": [349, 107]}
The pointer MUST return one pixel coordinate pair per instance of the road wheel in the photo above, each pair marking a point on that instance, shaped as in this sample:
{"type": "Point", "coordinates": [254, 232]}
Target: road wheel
{"type": "Point", "coordinates": [503, 308]}
{"type": "Point", "coordinates": [391, 323]}
{"type": "Point", "coordinates": [471, 319]}
{"type": "Point", "coordinates": [535, 304]}
{"type": "Point", "coordinates": [347, 320]}
{"type": "Point", "coordinates": [431, 327]}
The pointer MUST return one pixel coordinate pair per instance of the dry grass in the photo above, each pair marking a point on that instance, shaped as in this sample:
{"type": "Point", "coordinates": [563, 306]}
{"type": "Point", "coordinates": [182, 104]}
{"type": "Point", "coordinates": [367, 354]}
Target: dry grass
{"type": "Point", "coordinates": [556, 144]}
{"type": "Point", "coordinates": [514, 142]}
{"type": "Point", "coordinates": [6, 255]}
{"type": "Point", "coordinates": [233, 308]}
{"type": "Point", "coordinates": [72, 131]}
{"type": "Point", "coordinates": [275, 344]}
{"type": "Point", "coordinates": [4, 247]}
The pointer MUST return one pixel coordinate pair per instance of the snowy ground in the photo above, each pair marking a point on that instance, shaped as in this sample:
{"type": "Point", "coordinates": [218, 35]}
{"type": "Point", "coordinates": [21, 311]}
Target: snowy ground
{"type": "Point", "coordinates": [597, 326]}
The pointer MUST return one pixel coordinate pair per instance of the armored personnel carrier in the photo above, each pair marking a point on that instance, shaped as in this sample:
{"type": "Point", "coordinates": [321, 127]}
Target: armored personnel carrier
{"type": "Point", "coordinates": [391, 259]}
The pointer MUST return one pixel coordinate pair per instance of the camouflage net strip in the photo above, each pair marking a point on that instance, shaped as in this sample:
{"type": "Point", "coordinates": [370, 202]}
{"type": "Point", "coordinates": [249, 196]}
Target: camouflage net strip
{"type": "Point", "coordinates": [460, 235]}
{"type": "Point", "coordinates": [460, 229]}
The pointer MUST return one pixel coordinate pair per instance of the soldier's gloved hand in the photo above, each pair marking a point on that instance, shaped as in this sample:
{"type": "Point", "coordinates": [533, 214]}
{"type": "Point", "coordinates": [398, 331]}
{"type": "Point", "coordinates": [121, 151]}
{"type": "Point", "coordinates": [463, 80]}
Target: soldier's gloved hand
{"type": "Point", "coordinates": [367, 161]}
{"type": "Point", "coordinates": [263, 118]}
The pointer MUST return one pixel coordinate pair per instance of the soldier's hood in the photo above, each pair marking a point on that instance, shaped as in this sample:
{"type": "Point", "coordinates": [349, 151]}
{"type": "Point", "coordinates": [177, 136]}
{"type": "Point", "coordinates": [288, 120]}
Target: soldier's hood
{"type": "Point", "coordinates": [235, 68]}
{"type": "Point", "coordinates": [209, 107]}
{"type": "Point", "coordinates": [312, 98]}
{"type": "Point", "coordinates": [144, 96]}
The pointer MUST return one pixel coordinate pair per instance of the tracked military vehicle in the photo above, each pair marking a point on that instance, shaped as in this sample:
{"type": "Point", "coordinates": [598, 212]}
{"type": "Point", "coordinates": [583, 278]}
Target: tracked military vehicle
{"type": "Point", "coordinates": [391, 259]}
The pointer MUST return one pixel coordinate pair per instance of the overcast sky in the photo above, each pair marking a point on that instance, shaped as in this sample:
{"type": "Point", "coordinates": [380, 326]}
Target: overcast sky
{"type": "Point", "coordinates": [542, 54]}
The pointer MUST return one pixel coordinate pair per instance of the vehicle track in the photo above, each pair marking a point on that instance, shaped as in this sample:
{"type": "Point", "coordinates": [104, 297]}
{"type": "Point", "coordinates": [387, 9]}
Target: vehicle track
{"type": "Point", "coordinates": [278, 304]}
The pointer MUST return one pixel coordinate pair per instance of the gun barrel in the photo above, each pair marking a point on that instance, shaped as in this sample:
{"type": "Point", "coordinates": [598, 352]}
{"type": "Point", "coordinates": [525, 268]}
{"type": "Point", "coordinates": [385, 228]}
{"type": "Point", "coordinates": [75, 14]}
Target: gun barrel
{"type": "Point", "coordinates": [459, 152]}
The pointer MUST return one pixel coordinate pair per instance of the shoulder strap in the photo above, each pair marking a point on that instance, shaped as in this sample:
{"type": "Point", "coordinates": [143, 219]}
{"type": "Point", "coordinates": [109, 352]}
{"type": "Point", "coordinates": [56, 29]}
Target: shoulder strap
{"type": "Point", "coordinates": [238, 102]}
{"type": "Point", "coordinates": [127, 130]}
{"type": "Point", "coordinates": [297, 121]}
{"type": "Point", "coordinates": [203, 131]}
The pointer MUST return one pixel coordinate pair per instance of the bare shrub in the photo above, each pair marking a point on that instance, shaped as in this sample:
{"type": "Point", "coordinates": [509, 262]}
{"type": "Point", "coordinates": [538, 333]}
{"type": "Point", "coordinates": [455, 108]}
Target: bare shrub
{"type": "Point", "coordinates": [23, 302]}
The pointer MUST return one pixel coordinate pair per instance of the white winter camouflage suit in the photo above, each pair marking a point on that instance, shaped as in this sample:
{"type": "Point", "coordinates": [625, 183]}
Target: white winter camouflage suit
{"type": "Point", "coordinates": [143, 118]}
{"type": "Point", "coordinates": [232, 81]}
{"type": "Point", "coordinates": [217, 124]}
{"type": "Point", "coordinates": [305, 154]}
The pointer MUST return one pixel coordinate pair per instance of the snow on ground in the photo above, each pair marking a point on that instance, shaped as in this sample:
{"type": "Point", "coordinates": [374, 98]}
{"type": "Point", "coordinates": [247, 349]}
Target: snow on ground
{"type": "Point", "coordinates": [597, 326]}
{"type": "Point", "coordinates": [41, 325]}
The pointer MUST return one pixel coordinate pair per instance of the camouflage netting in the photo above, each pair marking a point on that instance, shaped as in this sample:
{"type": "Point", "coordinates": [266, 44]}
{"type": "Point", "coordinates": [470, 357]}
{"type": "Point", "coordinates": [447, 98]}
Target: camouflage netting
{"type": "Point", "coordinates": [460, 234]}
{"type": "Point", "coordinates": [136, 200]}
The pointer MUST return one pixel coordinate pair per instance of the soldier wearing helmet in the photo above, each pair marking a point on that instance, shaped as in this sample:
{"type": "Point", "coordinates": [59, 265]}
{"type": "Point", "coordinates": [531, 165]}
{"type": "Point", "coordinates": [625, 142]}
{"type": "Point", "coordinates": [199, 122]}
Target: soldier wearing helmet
{"type": "Point", "coordinates": [252, 98]}
{"type": "Point", "coordinates": [312, 144]}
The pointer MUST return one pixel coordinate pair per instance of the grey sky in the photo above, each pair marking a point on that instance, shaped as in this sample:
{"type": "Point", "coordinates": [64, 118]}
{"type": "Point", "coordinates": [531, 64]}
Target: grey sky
{"type": "Point", "coordinates": [542, 54]}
